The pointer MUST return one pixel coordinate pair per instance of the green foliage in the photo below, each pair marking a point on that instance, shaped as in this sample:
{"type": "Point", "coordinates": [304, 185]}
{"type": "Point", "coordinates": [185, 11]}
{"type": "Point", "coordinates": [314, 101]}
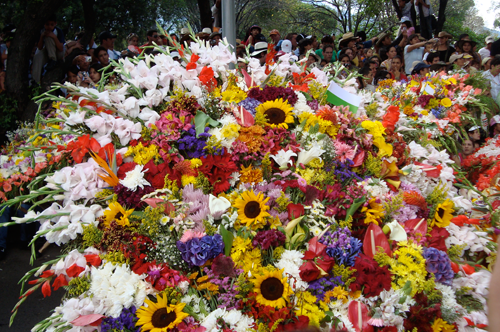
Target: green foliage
{"type": "Point", "coordinates": [8, 111]}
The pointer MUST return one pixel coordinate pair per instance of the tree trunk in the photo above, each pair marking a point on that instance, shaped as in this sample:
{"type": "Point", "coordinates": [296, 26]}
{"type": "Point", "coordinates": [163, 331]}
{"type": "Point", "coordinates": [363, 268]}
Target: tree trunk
{"type": "Point", "coordinates": [27, 34]}
{"type": "Point", "coordinates": [395, 4]}
{"type": "Point", "coordinates": [442, 16]}
{"type": "Point", "coordinates": [205, 13]}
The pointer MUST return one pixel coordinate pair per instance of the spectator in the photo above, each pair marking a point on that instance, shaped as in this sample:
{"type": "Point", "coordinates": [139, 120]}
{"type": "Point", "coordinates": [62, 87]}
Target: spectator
{"type": "Point", "coordinates": [466, 46]}
{"type": "Point", "coordinates": [72, 75]}
{"type": "Point", "coordinates": [49, 48]}
{"type": "Point", "coordinates": [152, 37]}
{"type": "Point", "coordinates": [443, 47]}
{"type": "Point", "coordinates": [460, 60]}
{"type": "Point", "coordinates": [420, 69]}
{"type": "Point", "coordinates": [424, 10]}
{"type": "Point", "coordinates": [305, 45]}
{"type": "Point", "coordinates": [102, 55]}
{"type": "Point", "coordinates": [485, 64]}
{"type": "Point", "coordinates": [74, 44]}
{"type": "Point", "coordinates": [405, 7]}
{"type": "Point", "coordinates": [276, 39]}
{"type": "Point", "coordinates": [474, 134]}
{"type": "Point", "coordinates": [82, 62]}
{"type": "Point", "coordinates": [368, 53]}
{"type": "Point", "coordinates": [215, 38]}
{"type": "Point", "coordinates": [467, 150]}
{"type": "Point", "coordinates": [345, 60]}
{"type": "Point", "coordinates": [381, 75]}
{"type": "Point", "coordinates": [93, 55]}
{"type": "Point", "coordinates": [133, 44]}
{"type": "Point", "coordinates": [432, 58]}
{"type": "Point", "coordinates": [95, 73]}
{"type": "Point", "coordinates": [384, 40]}
{"type": "Point", "coordinates": [260, 52]}
{"type": "Point", "coordinates": [493, 76]}
{"type": "Point", "coordinates": [217, 13]}
{"type": "Point", "coordinates": [396, 69]}
{"type": "Point", "coordinates": [312, 60]}
{"type": "Point", "coordinates": [348, 40]}
{"type": "Point", "coordinates": [413, 52]}
{"type": "Point", "coordinates": [252, 32]}
{"type": "Point", "coordinates": [286, 47]}
{"type": "Point", "coordinates": [486, 51]}
{"type": "Point", "coordinates": [327, 53]}
{"type": "Point", "coordinates": [495, 126]}
{"type": "Point", "coordinates": [326, 40]}
{"type": "Point", "coordinates": [390, 53]}
{"type": "Point", "coordinates": [373, 66]}
{"type": "Point", "coordinates": [438, 67]}
{"type": "Point", "coordinates": [365, 81]}
{"type": "Point", "coordinates": [293, 38]}
{"type": "Point", "coordinates": [107, 40]}
{"type": "Point", "coordinates": [5, 50]}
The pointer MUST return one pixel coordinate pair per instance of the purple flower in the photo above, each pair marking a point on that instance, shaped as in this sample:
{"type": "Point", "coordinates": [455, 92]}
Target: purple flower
{"type": "Point", "coordinates": [438, 263]}
{"type": "Point", "coordinates": [124, 322]}
{"type": "Point", "coordinates": [320, 286]}
{"type": "Point", "coordinates": [197, 251]}
{"type": "Point", "coordinates": [250, 104]}
{"type": "Point", "coordinates": [193, 145]}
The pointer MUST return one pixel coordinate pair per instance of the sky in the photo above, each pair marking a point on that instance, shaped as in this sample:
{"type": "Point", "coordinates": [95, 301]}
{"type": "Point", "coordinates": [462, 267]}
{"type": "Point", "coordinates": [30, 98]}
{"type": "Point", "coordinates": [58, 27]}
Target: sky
{"type": "Point", "coordinates": [484, 8]}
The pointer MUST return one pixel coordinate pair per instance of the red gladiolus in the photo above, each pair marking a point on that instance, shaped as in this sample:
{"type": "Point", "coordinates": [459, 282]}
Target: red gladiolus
{"type": "Point", "coordinates": [391, 118]}
{"type": "Point", "coordinates": [74, 270]}
{"type": "Point", "coordinates": [207, 78]}
{"type": "Point", "coordinates": [46, 291]}
{"type": "Point", "coordinates": [93, 260]}
{"type": "Point", "coordinates": [59, 282]}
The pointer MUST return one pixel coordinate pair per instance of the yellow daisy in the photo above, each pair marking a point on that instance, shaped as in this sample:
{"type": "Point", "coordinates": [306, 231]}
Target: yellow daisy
{"type": "Point", "coordinates": [252, 209]}
{"type": "Point", "coordinates": [159, 316]}
{"type": "Point", "coordinates": [272, 289]}
{"type": "Point", "coordinates": [443, 215]}
{"type": "Point", "coordinates": [117, 213]}
{"type": "Point", "coordinates": [278, 113]}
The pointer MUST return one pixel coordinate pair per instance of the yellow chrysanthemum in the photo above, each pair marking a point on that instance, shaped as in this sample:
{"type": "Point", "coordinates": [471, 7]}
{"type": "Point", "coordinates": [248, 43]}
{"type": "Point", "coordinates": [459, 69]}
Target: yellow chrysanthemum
{"type": "Point", "coordinates": [375, 128]}
{"type": "Point", "coordinates": [159, 316]}
{"type": "Point", "coordinates": [306, 306]}
{"type": "Point", "coordinates": [250, 175]}
{"type": "Point", "coordinates": [443, 215]}
{"type": "Point", "coordinates": [117, 213]}
{"type": "Point", "coordinates": [440, 325]}
{"type": "Point", "coordinates": [252, 209]}
{"type": "Point", "coordinates": [277, 112]}
{"type": "Point", "coordinates": [271, 288]}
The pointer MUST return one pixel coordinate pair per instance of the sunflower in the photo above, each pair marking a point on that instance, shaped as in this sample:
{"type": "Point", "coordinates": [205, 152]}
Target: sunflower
{"type": "Point", "coordinates": [443, 215]}
{"type": "Point", "coordinates": [278, 113]}
{"type": "Point", "coordinates": [252, 209]}
{"type": "Point", "coordinates": [117, 213]}
{"type": "Point", "coordinates": [271, 288]}
{"type": "Point", "coordinates": [159, 316]}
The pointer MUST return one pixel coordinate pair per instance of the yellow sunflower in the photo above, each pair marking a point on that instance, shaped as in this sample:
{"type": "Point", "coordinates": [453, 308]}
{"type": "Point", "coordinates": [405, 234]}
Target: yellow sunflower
{"type": "Point", "coordinates": [278, 113]}
{"type": "Point", "coordinates": [252, 209]}
{"type": "Point", "coordinates": [159, 316]}
{"type": "Point", "coordinates": [443, 215]}
{"type": "Point", "coordinates": [117, 212]}
{"type": "Point", "coordinates": [272, 289]}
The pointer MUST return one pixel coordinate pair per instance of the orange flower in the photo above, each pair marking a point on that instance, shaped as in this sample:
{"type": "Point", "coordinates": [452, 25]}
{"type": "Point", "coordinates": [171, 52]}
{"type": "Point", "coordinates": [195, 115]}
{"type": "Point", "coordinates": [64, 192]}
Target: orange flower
{"type": "Point", "coordinates": [252, 137]}
{"type": "Point", "coordinates": [207, 78]}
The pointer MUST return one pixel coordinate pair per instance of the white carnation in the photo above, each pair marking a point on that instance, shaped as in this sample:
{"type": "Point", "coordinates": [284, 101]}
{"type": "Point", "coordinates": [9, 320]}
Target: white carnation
{"type": "Point", "coordinates": [135, 178]}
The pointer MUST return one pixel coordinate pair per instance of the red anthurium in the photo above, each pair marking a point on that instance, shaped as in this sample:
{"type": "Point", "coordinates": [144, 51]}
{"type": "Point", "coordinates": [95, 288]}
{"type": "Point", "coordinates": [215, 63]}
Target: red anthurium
{"type": "Point", "coordinates": [92, 320]}
{"type": "Point", "coordinates": [358, 316]}
{"type": "Point", "coordinates": [317, 260]}
{"type": "Point", "coordinates": [74, 270]}
{"type": "Point", "coordinates": [374, 238]}
{"type": "Point", "coordinates": [46, 291]}
{"type": "Point", "coordinates": [243, 117]}
{"type": "Point", "coordinates": [419, 225]}
{"type": "Point", "coordinates": [59, 282]}
{"type": "Point", "coordinates": [431, 171]}
{"type": "Point", "coordinates": [93, 260]}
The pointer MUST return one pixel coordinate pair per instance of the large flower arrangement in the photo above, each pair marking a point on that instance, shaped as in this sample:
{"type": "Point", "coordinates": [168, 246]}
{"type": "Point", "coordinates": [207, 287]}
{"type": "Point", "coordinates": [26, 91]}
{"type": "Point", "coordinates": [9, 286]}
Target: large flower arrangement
{"type": "Point", "coordinates": [197, 197]}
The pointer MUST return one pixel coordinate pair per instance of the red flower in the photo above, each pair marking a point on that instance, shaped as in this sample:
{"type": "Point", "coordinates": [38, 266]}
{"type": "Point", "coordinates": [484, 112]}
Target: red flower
{"type": "Point", "coordinates": [46, 291]}
{"type": "Point", "coordinates": [127, 167]}
{"type": "Point", "coordinates": [317, 260]}
{"type": "Point", "coordinates": [81, 147]}
{"type": "Point", "coordinates": [390, 118]}
{"type": "Point", "coordinates": [370, 277]}
{"type": "Point", "coordinates": [74, 270]}
{"type": "Point", "coordinates": [437, 237]}
{"type": "Point", "coordinates": [59, 282]}
{"type": "Point", "coordinates": [93, 260]}
{"type": "Point", "coordinates": [295, 210]}
{"type": "Point", "coordinates": [207, 78]}
{"type": "Point", "coordinates": [309, 271]}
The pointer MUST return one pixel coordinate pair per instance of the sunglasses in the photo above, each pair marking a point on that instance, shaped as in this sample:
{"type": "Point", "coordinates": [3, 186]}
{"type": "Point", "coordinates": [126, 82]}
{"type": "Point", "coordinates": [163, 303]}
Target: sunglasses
{"type": "Point", "coordinates": [155, 36]}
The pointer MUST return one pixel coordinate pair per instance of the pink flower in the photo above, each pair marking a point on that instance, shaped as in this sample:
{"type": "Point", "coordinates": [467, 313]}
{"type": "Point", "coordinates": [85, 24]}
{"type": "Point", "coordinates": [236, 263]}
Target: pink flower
{"type": "Point", "coordinates": [189, 234]}
{"type": "Point", "coordinates": [344, 151]}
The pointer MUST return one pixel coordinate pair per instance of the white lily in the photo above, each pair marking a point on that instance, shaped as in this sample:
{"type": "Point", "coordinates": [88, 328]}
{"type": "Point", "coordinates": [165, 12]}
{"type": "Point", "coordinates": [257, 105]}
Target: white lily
{"type": "Point", "coordinates": [282, 158]}
{"type": "Point", "coordinates": [305, 156]}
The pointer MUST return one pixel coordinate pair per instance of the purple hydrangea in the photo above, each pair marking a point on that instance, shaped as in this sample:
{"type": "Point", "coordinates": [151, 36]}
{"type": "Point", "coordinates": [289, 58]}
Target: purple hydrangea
{"type": "Point", "coordinates": [438, 263]}
{"type": "Point", "coordinates": [250, 104]}
{"type": "Point", "coordinates": [320, 286]}
{"type": "Point", "coordinates": [197, 251]}
{"type": "Point", "coordinates": [124, 322]}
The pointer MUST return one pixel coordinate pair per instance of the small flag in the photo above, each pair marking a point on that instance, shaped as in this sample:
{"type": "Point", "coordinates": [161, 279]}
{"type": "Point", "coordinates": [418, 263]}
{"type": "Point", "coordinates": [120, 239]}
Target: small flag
{"type": "Point", "coordinates": [340, 97]}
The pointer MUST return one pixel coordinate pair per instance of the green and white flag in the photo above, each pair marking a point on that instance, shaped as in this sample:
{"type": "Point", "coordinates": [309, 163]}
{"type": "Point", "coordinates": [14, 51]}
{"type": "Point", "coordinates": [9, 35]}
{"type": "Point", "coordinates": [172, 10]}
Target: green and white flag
{"type": "Point", "coordinates": [340, 97]}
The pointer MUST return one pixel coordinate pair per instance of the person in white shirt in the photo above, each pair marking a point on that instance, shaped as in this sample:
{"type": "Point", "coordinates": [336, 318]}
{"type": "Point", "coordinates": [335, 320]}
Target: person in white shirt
{"type": "Point", "coordinates": [424, 10]}
{"type": "Point", "coordinates": [486, 51]}
{"type": "Point", "coordinates": [413, 52]}
{"type": "Point", "coordinates": [107, 40]}
{"type": "Point", "coordinates": [493, 75]}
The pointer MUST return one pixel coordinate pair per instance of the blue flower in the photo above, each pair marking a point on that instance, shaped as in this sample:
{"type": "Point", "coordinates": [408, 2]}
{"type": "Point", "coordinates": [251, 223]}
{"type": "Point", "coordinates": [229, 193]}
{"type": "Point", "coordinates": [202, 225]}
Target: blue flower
{"type": "Point", "coordinates": [196, 252]}
{"type": "Point", "coordinates": [346, 254]}
{"type": "Point", "coordinates": [438, 263]}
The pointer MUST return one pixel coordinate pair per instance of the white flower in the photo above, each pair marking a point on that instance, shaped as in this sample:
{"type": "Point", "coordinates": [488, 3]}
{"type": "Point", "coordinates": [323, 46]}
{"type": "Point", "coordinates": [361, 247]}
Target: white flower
{"type": "Point", "coordinates": [135, 178]}
{"type": "Point", "coordinates": [218, 205]}
{"type": "Point", "coordinates": [282, 158]}
{"type": "Point", "coordinates": [306, 156]}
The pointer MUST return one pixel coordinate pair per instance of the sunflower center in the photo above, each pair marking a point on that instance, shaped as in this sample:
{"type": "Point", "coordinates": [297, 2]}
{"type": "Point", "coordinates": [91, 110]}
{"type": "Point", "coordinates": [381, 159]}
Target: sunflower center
{"type": "Point", "coordinates": [440, 212]}
{"type": "Point", "coordinates": [118, 215]}
{"type": "Point", "coordinates": [272, 289]}
{"type": "Point", "coordinates": [275, 115]}
{"type": "Point", "coordinates": [252, 209]}
{"type": "Point", "coordinates": [162, 318]}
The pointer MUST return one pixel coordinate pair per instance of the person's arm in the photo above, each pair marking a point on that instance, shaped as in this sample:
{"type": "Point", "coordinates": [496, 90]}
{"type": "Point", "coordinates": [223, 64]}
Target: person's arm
{"type": "Point", "coordinates": [415, 46]}
{"type": "Point", "coordinates": [59, 45]}
{"type": "Point", "coordinates": [40, 41]}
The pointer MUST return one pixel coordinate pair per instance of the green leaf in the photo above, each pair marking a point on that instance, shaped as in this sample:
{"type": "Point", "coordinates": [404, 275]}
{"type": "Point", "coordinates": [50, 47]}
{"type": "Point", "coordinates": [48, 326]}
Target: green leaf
{"type": "Point", "coordinates": [355, 205]}
{"type": "Point", "coordinates": [228, 238]}
{"type": "Point", "coordinates": [200, 121]}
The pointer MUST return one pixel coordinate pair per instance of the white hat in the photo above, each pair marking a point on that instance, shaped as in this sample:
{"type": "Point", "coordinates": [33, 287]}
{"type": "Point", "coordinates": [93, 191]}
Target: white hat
{"type": "Point", "coordinates": [494, 120]}
{"type": "Point", "coordinates": [404, 19]}
{"type": "Point", "coordinates": [206, 30]}
{"type": "Point", "coordinates": [184, 31]}
{"type": "Point", "coordinates": [286, 46]}
{"type": "Point", "coordinates": [175, 54]}
{"type": "Point", "coordinates": [489, 39]}
{"type": "Point", "coordinates": [259, 48]}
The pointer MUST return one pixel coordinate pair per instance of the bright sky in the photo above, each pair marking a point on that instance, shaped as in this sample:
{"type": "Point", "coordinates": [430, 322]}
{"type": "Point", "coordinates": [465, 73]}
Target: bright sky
{"type": "Point", "coordinates": [484, 8]}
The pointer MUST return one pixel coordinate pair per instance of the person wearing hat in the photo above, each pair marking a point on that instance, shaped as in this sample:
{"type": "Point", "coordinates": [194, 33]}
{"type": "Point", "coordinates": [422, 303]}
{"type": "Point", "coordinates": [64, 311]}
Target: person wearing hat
{"type": "Point", "coordinates": [184, 32]}
{"type": "Point", "coordinates": [495, 126]}
{"type": "Point", "coordinates": [414, 51]}
{"type": "Point", "coordinates": [444, 48]}
{"type": "Point", "coordinates": [384, 40]}
{"type": "Point", "coordinates": [467, 46]}
{"type": "Point", "coordinates": [276, 39]}
{"type": "Point", "coordinates": [286, 46]}
{"type": "Point", "coordinates": [485, 64]}
{"type": "Point", "coordinates": [107, 40]}
{"type": "Point", "coordinates": [215, 38]}
{"type": "Point", "coordinates": [260, 52]}
{"type": "Point", "coordinates": [460, 60]}
{"type": "Point", "coordinates": [493, 75]}
{"type": "Point", "coordinates": [250, 38]}
{"type": "Point", "coordinates": [204, 34]}
{"type": "Point", "coordinates": [348, 40]}
{"type": "Point", "coordinates": [486, 51]}
{"type": "Point", "coordinates": [420, 69]}
{"type": "Point", "coordinates": [313, 60]}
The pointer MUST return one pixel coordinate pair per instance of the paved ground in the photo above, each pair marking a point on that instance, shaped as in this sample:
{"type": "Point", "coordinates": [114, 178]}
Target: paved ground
{"type": "Point", "coordinates": [35, 308]}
